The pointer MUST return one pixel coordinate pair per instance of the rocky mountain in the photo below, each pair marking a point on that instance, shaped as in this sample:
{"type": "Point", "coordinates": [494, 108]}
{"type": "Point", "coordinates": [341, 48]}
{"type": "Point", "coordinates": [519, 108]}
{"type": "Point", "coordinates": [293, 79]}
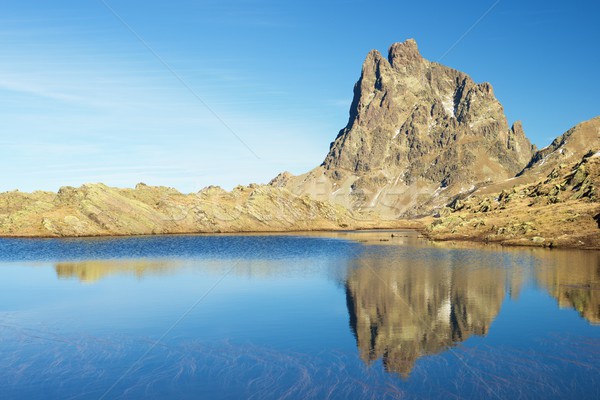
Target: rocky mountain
{"type": "Point", "coordinates": [422, 138]}
{"type": "Point", "coordinates": [418, 134]}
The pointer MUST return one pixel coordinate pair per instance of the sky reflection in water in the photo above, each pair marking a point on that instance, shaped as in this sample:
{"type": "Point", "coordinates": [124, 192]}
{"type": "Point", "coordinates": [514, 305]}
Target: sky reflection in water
{"type": "Point", "coordinates": [347, 315]}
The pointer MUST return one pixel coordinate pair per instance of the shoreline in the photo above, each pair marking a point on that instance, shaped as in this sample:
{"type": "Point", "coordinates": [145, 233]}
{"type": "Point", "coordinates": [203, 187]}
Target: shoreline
{"type": "Point", "coordinates": [418, 228]}
{"type": "Point", "coordinates": [511, 243]}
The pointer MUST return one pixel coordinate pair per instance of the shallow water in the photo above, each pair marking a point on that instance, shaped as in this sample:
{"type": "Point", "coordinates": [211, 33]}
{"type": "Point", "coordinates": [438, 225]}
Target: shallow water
{"type": "Point", "coordinates": [357, 315]}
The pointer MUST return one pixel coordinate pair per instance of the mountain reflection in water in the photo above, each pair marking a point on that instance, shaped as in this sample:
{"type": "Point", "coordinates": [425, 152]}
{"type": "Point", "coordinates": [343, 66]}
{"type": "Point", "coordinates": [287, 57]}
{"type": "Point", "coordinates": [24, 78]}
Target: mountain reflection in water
{"type": "Point", "coordinates": [93, 271]}
{"type": "Point", "coordinates": [573, 279]}
{"type": "Point", "coordinates": [400, 312]}
{"type": "Point", "coordinates": [412, 307]}
{"type": "Point", "coordinates": [404, 311]}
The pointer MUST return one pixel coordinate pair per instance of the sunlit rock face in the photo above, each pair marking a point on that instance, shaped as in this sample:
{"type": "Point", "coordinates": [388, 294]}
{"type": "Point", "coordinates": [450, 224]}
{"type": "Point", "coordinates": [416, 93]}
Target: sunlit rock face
{"type": "Point", "coordinates": [554, 203]}
{"type": "Point", "coordinates": [97, 209]}
{"type": "Point", "coordinates": [418, 134]}
{"type": "Point", "coordinates": [402, 312]}
{"type": "Point", "coordinates": [565, 149]}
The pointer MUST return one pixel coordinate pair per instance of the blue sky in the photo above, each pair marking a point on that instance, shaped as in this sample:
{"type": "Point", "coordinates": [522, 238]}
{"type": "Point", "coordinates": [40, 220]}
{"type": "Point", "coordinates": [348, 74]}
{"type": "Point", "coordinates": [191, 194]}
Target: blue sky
{"type": "Point", "coordinates": [83, 100]}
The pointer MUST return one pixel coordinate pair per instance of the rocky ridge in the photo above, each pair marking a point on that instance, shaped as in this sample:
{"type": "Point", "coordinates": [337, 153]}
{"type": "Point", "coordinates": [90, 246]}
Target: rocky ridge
{"type": "Point", "coordinates": [566, 148]}
{"type": "Point", "coordinates": [96, 209]}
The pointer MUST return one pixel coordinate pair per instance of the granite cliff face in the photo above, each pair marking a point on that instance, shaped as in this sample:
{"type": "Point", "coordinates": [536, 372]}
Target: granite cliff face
{"type": "Point", "coordinates": [418, 134]}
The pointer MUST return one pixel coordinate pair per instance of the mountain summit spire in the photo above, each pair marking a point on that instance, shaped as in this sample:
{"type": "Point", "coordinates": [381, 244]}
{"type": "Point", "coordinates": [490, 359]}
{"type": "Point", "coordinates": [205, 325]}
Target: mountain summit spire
{"type": "Point", "coordinates": [418, 134]}
{"type": "Point", "coordinates": [403, 54]}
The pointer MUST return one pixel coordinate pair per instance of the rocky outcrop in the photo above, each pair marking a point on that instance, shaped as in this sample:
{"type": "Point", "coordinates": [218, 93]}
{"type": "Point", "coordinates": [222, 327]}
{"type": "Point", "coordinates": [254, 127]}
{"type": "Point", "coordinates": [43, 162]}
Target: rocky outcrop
{"type": "Point", "coordinates": [559, 210]}
{"type": "Point", "coordinates": [418, 134]}
{"type": "Point", "coordinates": [565, 149]}
{"type": "Point", "coordinates": [96, 209]}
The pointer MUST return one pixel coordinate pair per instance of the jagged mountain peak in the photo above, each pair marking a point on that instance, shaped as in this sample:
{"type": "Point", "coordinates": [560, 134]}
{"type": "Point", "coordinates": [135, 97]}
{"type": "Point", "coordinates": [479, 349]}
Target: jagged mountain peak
{"type": "Point", "coordinates": [403, 54]}
{"type": "Point", "coordinates": [407, 91]}
{"type": "Point", "coordinates": [417, 133]}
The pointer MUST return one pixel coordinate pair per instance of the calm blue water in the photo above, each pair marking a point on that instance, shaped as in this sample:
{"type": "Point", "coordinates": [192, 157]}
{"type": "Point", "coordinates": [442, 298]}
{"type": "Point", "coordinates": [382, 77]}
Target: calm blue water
{"type": "Point", "coordinates": [358, 315]}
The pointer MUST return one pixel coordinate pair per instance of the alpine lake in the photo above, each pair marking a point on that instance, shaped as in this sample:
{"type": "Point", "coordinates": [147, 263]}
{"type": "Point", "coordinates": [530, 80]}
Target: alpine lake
{"type": "Point", "coordinates": [342, 315]}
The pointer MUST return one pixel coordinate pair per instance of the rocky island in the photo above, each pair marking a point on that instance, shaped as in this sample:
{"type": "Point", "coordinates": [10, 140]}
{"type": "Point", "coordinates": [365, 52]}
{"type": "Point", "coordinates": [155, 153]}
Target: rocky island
{"type": "Point", "coordinates": [424, 147]}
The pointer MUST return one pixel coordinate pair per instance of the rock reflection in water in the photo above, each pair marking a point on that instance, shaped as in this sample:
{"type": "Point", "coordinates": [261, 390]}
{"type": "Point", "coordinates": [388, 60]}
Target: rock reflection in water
{"type": "Point", "coordinates": [404, 311]}
{"type": "Point", "coordinates": [93, 271]}
{"type": "Point", "coordinates": [573, 279]}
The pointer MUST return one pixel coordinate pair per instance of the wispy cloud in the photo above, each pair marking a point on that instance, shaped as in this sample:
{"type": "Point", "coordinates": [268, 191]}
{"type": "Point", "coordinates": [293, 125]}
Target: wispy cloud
{"type": "Point", "coordinates": [16, 85]}
{"type": "Point", "coordinates": [56, 149]}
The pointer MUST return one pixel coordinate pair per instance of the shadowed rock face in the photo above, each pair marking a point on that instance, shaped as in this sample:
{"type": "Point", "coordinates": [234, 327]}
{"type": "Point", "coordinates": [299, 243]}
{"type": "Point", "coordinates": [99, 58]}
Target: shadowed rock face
{"type": "Point", "coordinates": [403, 312]}
{"type": "Point", "coordinates": [418, 133]}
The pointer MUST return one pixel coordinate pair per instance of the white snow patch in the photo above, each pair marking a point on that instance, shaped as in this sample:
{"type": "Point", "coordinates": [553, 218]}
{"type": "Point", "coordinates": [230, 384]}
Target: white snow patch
{"type": "Point", "coordinates": [437, 191]}
{"type": "Point", "coordinates": [374, 201]}
{"type": "Point", "coordinates": [546, 158]}
{"type": "Point", "coordinates": [596, 155]}
{"type": "Point", "coordinates": [431, 124]}
{"type": "Point", "coordinates": [448, 103]}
